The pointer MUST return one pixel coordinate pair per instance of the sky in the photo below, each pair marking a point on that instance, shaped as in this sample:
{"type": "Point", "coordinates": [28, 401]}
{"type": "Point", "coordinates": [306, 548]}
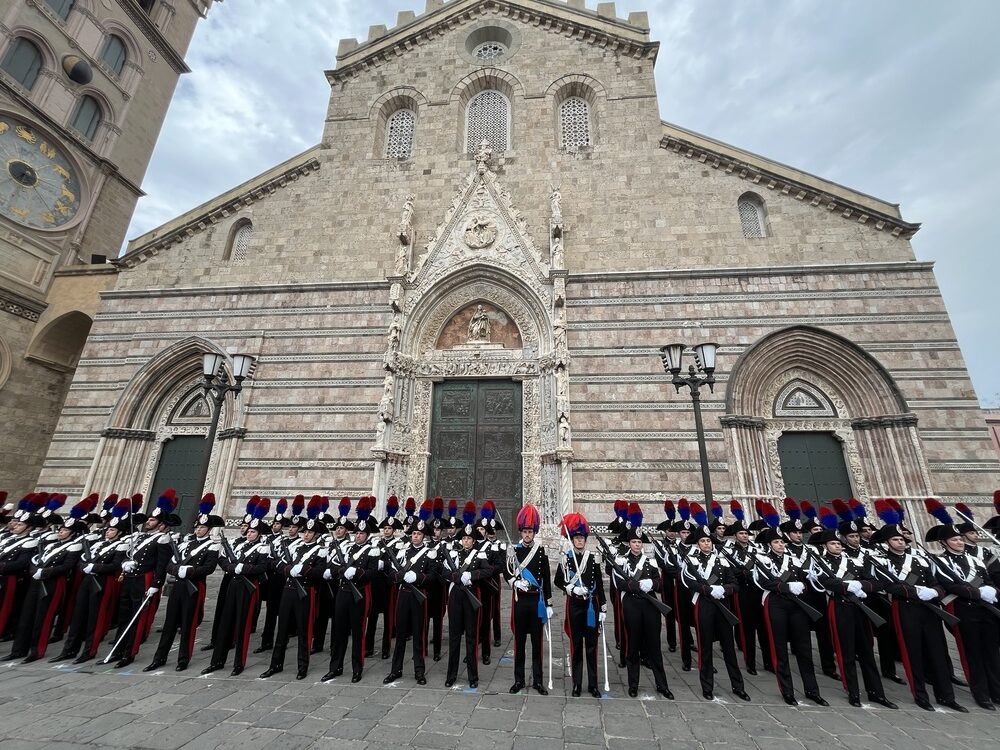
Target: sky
{"type": "Point", "coordinates": [899, 99]}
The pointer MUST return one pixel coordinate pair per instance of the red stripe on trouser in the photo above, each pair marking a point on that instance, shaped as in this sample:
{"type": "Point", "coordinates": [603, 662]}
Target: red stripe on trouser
{"type": "Point", "coordinates": [831, 616]}
{"type": "Point", "coordinates": [50, 614]}
{"type": "Point", "coordinates": [770, 639]}
{"type": "Point", "coordinates": [475, 641]}
{"type": "Point", "coordinates": [957, 632]}
{"type": "Point", "coordinates": [310, 616]}
{"type": "Point", "coordinates": [199, 611]}
{"type": "Point", "coordinates": [248, 624]}
{"type": "Point", "coordinates": [897, 624]}
{"type": "Point", "coordinates": [145, 623]}
{"type": "Point", "coordinates": [367, 589]}
{"type": "Point", "coordinates": [69, 602]}
{"type": "Point", "coordinates": [9, 588]}
{"type": "Point", "coordinates": [105, 608]}
{"type": "Point", "coordinates": [740, 627]}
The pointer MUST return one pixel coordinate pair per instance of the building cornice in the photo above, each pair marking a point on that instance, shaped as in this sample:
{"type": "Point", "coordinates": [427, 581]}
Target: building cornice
{"type": "Point", "coordinates": [23, 307]}
{"type": "Point", "coordinates": [149, 30]}
{"type": "Point", "coordinates": [864, 210]}
{"type": "Point", "coordinates": [601, 28]}
{"type": "Point", "coordinates": [201, 291]}
{"type": "Point", "coordinates": [747, 271]}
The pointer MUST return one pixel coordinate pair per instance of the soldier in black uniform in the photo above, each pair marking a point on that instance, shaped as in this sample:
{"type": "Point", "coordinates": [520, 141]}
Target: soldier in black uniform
{"type": "Point", "coordinates": [750, 629]}
{"type": "Point", "coordinates": [15, 557]}
{"type": "Point", "coordinates": [464, 568]}
{"type": "Point", "coordinates": [528, 572]}
{"type": "Point", "coordinates": [302, 564]}
{"type": "Point", "coordinates": [616, 527]}
{"type": "Point", "coordinates": [782, 581]}
{"type": "Point", "coordinates": [283, 533]}
{"type": "Point", "coordinates": [668, 571]}
{"type": "Point", "coordinates": [383, 593]}
{"type": "Point", "coordinates": [414, 568]}
{"type": "Point", "coordinates": [579, 575]}
{"type": "Point", "coordinates": [637, 574]}
{"type": "Point", "coordinates": [351, 565]}
{"type": "Point", "coordinates": [191, 562]}
{"type": "Point", "coordinates": [710, 579]}
{"type": "Point", "coordinates": [249, 567]}
{"type": "Point", "coordinates": [436, 598]}
{"type": "Point", "coordinates": [496, 554]}
{"type": "Point", "coordinates": [341, 528]}
{"type": "Point", "coordinates": [227, 576]}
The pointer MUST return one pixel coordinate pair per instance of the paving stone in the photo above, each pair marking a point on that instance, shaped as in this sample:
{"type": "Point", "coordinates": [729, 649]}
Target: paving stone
{"type": "Point", "coordinates": [350, 729]}
{"type": "Point", "coordinates": [487, 718]}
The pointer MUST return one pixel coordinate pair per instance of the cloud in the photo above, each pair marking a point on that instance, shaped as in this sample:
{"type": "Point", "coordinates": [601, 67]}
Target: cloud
{"type": "Point", "coordinates": [898, 98]}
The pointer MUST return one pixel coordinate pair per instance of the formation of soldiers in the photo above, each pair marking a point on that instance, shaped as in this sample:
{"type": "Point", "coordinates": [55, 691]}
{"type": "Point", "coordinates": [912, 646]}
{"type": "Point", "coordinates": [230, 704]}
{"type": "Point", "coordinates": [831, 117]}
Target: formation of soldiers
{"type": "Point", "coordinates": [870, 597]}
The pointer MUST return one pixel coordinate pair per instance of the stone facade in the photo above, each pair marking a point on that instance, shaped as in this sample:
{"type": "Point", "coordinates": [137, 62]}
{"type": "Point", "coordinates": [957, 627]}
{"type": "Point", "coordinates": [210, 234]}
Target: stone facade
{"type": "Point", "coordinates": [362, 272]}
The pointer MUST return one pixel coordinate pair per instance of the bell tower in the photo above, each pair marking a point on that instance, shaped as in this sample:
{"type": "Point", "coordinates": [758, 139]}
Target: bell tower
{"type": "Point", "coordinates": [84, 88]}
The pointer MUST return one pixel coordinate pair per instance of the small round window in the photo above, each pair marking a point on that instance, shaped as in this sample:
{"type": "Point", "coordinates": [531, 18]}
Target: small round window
{"type": "Point", "coordinates": [489, 51]}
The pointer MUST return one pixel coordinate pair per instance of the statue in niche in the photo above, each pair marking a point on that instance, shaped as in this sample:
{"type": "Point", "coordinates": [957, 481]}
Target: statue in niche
{"type": "Point", "coordinates": [564, 429]}
{"type": "Point", "coordinates": [479, 326]}
{"type": "Point", "coordinates": [555, 203]}
{"type": "Point", "coordinates": [385, 403]}
{"type": "Point", "coordinates": [559, 338]}
{"type": "Point", "coordinates": [405, 234]}
{"type": "Point", "coordinates": [558, 257]}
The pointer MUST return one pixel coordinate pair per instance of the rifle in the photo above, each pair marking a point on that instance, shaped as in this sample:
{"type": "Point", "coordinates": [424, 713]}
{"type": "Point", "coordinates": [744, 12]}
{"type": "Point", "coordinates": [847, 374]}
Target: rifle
{"type": "Point", "coordinates": [286, 555]}
{"type": "Point", "coordinates": [340, 568]}
{"type": "Point", "coordinates": [727, 613]}
{"type": "Point", "coordinates": [975, 583]}
{"type": "Point", "coordinates": [88, 554]}
{"type": "Point", "coordinates": [811, 612]}
{"type": "Point", "coordinates": [609, 557]}
{"type": "Point", "coordinates": [180, 561]}
{"type": "Point", "coordinates": [876, 619]}
{"type": "Point", "coordinates": [949, 619]}
{"type": "Point", "coordinates": [230, 553]}
{"type": "Point", "coordinates": [470, 595]}
{"type": "Point", "coordinates": [420, 596]}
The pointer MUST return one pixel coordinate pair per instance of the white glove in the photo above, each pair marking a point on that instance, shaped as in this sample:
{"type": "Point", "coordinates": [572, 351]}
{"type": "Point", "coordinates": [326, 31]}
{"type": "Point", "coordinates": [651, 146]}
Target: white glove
{"type": "Point", "coordinates": [926, 593]}
{"type": "Point", "coordinates": [601, 616]}
{"type": "Point", "coordinates": [620, 561]}
{"type": "Point", "coordinates": [182, 571]}
{"type": "Point", "coordinates": [327, 574]}
{"type": "Point", "coordinates": [37, 575]}
{"type": "Point", "coordinates": [549, 612]}
{"type": "Point", "coordinates": [128, 566]}
{"type": "Point", "coordinates": [521, 585]}
{"type": "Point", "coordinates": [381, 564]}
{"type": "Point", "coordinates": [570, 590]}
{"type": "Point", "coordinates": [151, 590]}
{"type": "Point", "coordinates": [238, 569]}
{"type": "Point", "coordinates": [88, 568]}
{"type": "Point", "coordinates": [410, 577]}
{"type": "Point", "coordinates": [854, 587]}
{"type": "Point", "coordinates": [580, 591]}
{"type": "Point", "coordinates": [351, 572]}
{"type": "Point", "coordinates": [718, 592]}
{"type": "Point", "coordinates": [646, 585]}
{"type": "Point", "coordinates": [466, 578]}
{"type": "Point", "coordinates": [296, 570]}
{"type": "Point", "coordinates": [796, 588]}
{"type": "Point", "coordinates": [988, 594]}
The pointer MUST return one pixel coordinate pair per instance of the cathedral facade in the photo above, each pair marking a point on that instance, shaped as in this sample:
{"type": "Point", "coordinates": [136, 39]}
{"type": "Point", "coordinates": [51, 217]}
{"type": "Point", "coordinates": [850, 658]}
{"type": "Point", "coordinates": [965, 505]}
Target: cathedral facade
{"type": "Point", "coordinates": [463, 288]}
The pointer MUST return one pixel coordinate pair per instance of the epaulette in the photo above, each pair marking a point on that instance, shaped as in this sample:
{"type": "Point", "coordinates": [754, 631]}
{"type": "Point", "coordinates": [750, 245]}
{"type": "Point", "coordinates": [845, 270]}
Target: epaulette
{"type": "Point", "coordinates": [75, 547]}
{"type": "Point", "coordinates": [432, 555]}
{"type": "Point", "coordinates": [373, 552]}
{"type": "Point", "coordinates": [30, 544]}
{"type": "Point", "coordinates": [162, 539]}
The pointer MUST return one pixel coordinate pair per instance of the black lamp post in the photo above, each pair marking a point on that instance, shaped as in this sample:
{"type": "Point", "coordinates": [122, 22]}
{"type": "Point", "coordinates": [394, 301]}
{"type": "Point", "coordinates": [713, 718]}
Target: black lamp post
{"type": "Point", "coordinates": [217, 385]}
{"type": "Point", "coordinates": [704, 357]}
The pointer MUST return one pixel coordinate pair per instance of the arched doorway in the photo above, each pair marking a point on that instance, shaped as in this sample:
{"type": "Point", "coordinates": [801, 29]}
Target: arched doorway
{"type": "Point", "coordinates": [813, 466]}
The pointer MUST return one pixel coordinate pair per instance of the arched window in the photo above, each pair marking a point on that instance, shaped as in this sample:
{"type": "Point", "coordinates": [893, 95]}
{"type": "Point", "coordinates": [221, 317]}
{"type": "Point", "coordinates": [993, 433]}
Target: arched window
{"type": "Point", "coordinates": [23, 62]}
{"type": "Point", "coordinates": [574, 122]}
{"type": "Point", "coordinates": [87, 117]}
{"type": "Point", "coordinates": [239, 241]}
{"type": "Point", "coordinates": [488, 116]}
{"type": "Point", "coordinates": [61, 7]}
{"type": "Point", "coordinates": [751, 210]}
{"type": "Point", "coordinates": [114, 55]}
{"type": "Point", "coordinates": [399, 134]}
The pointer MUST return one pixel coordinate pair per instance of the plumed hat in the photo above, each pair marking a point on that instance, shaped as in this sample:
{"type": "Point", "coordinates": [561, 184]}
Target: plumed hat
{"type": "Point", "coordinates": [205, 516]}
{"type": "Point", "coordinates": [574, 524]}
{"type": "Point", "coordinates": [391, 510]}
{"type": "Point", "coordinates": [421, 522]}
{"type": "Point", "coordinates": [528, 518]}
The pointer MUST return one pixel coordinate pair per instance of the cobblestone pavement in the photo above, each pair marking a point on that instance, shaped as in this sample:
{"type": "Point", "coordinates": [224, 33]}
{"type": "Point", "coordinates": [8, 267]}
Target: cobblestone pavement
{"type": "Point", "coordinates": [58, 707]}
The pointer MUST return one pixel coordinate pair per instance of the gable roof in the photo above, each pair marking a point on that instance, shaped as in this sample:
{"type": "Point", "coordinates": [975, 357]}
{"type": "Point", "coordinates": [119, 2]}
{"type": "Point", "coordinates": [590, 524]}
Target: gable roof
{"type": "Point", "coordinates": [629, 36]}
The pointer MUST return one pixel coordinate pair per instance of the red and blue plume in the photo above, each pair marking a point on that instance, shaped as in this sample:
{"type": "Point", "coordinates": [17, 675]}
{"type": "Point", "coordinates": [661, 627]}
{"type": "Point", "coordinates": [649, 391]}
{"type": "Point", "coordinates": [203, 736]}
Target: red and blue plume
{"type": "Point", "coordinates": [770, 514]}
{"type": "Point", "coordinates": [808, 510]}
{"type": "Point", "coordinates": [263, 506]}
{"type": "Point", "coordinates": [842, 510]}
{"type": "Point", "coordinates": [886, 513]}
{"type": "Point", "coordinates": [34, 502]}
{"type": "Point", "coordinates": [166, 503]}
{"type": "Point", "coordinates": [828, 518]}
{"type": "Point", "coordinates": [621, 509]}
{"type": "Point", "coordinates": [109, 501]}
{"type": "Point", "coordinates": [438, 508]}
{"type": "Point", "coordinates": [966, 511]}
{"type": "Point", "coordinates": [635, 515]}
{"type": "Point", "coordinates": [313, 508]}
{"type": "Point", "coordinates": [684, 509]}
{"type": "Point", "coordinates": [392, 506]}
{"type": "Point", "coordinates": [698, 514]}
{"type": "Point", "coordinates": [452, 508]}
{"type": "Point", "coordinates": [281, 508]}
{"type": "Point", "coordinates": [137, 501]}
{"type": "Point", "coordinates": [736, 509]}
{"type": "Point", "coordinates": [468, 513]}
{"type": "Point", "coordinates": [670, 510]}
{"type": "Point", "coordinates": [55, 502]}
{"type": "Point", "coordinates": [936, 509]}
{"type": "Point", "coordinates": [207, 503]}
{"type": "Point", "coordinates": [298, 505]}
{"type": "Point", "coordinates": [252, 504]}
{"type": "Point", "coordinates": [857, 508]}
{"type": "Point", "coordinates": [324, 504]}
{"type": "Point", "coordinates": [82, 508]}
{"type": "Point", "coordinates": [364, 509]}
{"type": "Point", "coordinates": [758, 505]}
{"type": "Point", "coordinates": [716, 509]}
{"type": "Point", "coordinates": [344, 507]}
{"type": "Point", "coordinates": [898, 507]}
{"type": "Point", "coordinates": [411, 507]}
{"type": "Point", "coordinates": [121, 508]}
{"type": "Point", "coordinates": [425, 510]}
{"type": "Point", "coordinates": [527, 518]}
{"type": "Point", "coordinates": [574, 524]}
{"type": "Point", "coordinates": [488, 511]}
{"type": "Point", "coordinates": [91, 501]}
{"type": "Point", "coordinates": [792, 509]}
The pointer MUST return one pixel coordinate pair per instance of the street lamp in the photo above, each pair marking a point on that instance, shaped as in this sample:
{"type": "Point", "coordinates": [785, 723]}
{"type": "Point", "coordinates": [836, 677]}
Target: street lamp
{"type": "Point", "coordinates": [217, 385]}
{"type": "Point", "coordinates": [704, 357]}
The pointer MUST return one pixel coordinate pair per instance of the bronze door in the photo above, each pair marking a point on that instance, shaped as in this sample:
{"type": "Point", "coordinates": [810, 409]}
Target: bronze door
{"type": "Point", "coordinates": [476, 444]}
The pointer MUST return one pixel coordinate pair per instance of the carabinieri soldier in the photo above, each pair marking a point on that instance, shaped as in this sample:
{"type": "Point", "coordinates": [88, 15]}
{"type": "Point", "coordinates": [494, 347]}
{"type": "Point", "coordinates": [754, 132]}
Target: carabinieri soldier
{"type": "Point", "coordinates": [383, 592]}
{"type": "Point", "coordinates": [284, 530]}
{"type": "Point", "coordinates": [496, 554]}
{"type": "Point", "coordinates": [464, 568]}
{"type": "Point", "coordinates": [750, 629]}
{"type": "Point", "coordinates": [528, 572]}
{"type": "Point", "coordinates": [15, 558]}
{"type": "Point", "coordinates": [579, 575]}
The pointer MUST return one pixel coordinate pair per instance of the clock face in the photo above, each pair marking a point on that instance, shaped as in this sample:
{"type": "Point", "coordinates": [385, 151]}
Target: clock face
{"type": "Point", "coordinates": [38, 186]}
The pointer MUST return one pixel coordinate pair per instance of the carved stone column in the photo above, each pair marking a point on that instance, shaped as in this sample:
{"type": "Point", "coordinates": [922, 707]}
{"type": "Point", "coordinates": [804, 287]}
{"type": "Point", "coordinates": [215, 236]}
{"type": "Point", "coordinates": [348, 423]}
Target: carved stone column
{"type": "Point", "coordinates": [121, 458]}
{"type": "Point", "coordinates": [751, 477]}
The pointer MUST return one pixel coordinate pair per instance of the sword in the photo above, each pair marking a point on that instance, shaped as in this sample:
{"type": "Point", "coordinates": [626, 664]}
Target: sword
{"type": "Point", "coordinates": [128, 627]}
{"type": "Point", "coordinates": [604, 640]}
